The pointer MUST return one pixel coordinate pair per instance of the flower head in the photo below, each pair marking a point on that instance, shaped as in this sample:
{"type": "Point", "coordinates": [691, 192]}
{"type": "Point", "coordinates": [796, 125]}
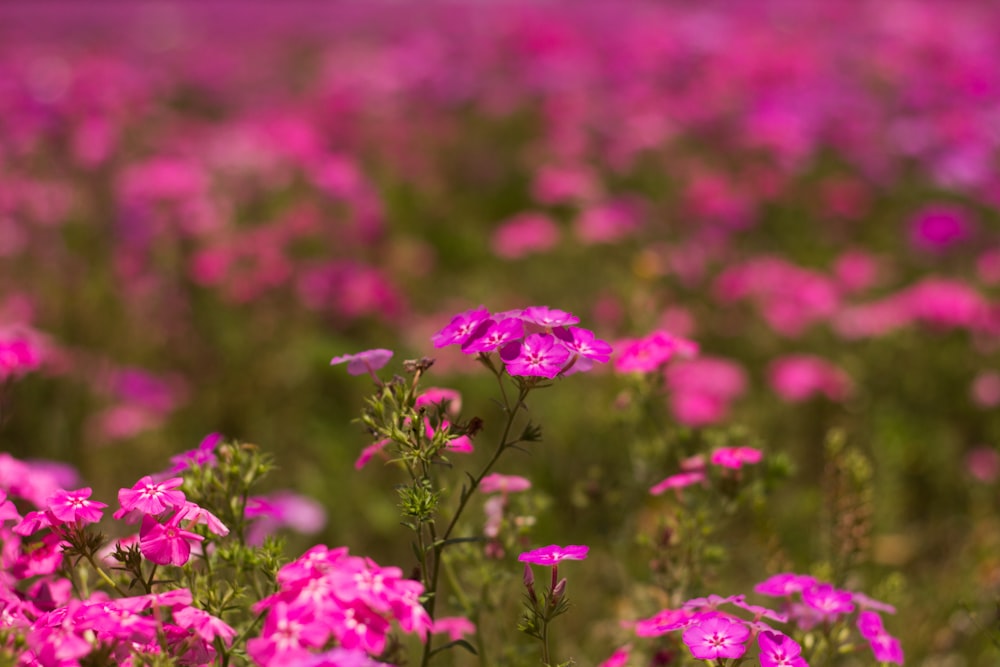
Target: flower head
{"type": "Point", "coordinates": [553, 554]}
{"type": "Point", "coordinates": [368, 361]}
{"type": "Point", "coordinates": [538, 355]}
{"type": "Point", "coordinates": [717, 636]}
{"type": "Point", "coordinates": [778, 650]}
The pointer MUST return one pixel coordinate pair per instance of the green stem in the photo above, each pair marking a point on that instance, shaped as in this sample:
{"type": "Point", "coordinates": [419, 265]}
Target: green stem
{"type": "Point", "coordinates": [439, 543]}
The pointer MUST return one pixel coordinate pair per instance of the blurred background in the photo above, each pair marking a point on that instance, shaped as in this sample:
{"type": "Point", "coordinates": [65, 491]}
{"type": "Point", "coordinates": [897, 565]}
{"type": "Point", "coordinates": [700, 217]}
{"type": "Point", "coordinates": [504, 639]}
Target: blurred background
{"type": "Point", "coordinates": [202, 203]}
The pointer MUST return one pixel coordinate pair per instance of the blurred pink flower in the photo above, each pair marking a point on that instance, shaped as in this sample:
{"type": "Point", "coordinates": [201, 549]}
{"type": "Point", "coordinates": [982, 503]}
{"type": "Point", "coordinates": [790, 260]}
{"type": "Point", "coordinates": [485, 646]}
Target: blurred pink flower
{"type": "Point", "coordinates": [498, 483]}
{"type": "Point", "coordinates": [985, 389]}
{"type": "Point", "coordinates": [937, 228]}
{"type": "Point", "coordinates": [983, 463]}
{"type": "Point", "coordinates": [525, 234]}
{"type": "Point", "coordinates": [368, 361]}
{"type": "Point", "coordinates": [799, 377]}
{"type": "Point", "coordinates": [701, 390]}
{"type": "Point", "coordinates": [735, 457]}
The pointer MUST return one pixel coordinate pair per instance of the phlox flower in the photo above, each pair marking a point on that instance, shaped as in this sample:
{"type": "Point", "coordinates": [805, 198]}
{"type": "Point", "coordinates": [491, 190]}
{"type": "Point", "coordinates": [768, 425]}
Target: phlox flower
{"type": "Point", "coordinates": [735, 457]}
{"type": "Point", "coordinates": [619, 658]}
{"type": "Point", "coordinates": [44, 558]}
{"type": "Point", "coordinates": [537, 355]}
{"type": "Point", "coordinates": [283, 509]}
{"type": "Point", "coordinates": [491, 335]}
{"type": "Point", "coordinates": [885, 647]}
{"type": "Point", "coordinates": [799, 377]}
{"type": "Point", "coordinates": [584, 343]}
{"type": "Point", "coordinates": [784, 584]}
{"type": "Point", "coordinates": [203, 454]}
{"type": "Point", "coordinates": [369, 452]}
{"type": "Point", "coordinates": [827, 600]}
{"type": "Point", "coordinates": [938, 228]}
{"type": "Point", "coordinates": [288, 634]}
{"type": "Point", "coordinates": [554, 554]}
{"type": "Point", "coordinates": [648, 354]}
{"type": "Point", "coordinates": [778, 650]}
{"type": "Point", "coordinates": [547, 317]}
{"type": "Point", "coordinates": [702, 389]}
{"type": "Point", "coordinates": [524, 234]}
{"type": "Point", "coordinates": [195, 514]}
{"type": "Point", "coordinates": [74, 506]}
{"type": "Point", "coordinates": [498, 483]}
{"type": "Point", "coordinates": [150, 497]}
{"type": "Point", "coordinates": [19, 353]}
{"type": "Point", "coordinates": [337, 657]}
{"type": "Point", "coordinates": [717, 637]}
{"type": "Point", "coordinates": [678, 481]}
{"type": "Point", "coordinates": [368, 361]}
{"type": "Point", "coordinates": [440, 396]}
{"type": "Point", "coordinates": [456, 627]}
{"type": "Point", "coordinates": [166, 544]}
{"type": "Point", "coordinates": [460, 328]}
{"type": "Point", "coordinates": [663, 622]}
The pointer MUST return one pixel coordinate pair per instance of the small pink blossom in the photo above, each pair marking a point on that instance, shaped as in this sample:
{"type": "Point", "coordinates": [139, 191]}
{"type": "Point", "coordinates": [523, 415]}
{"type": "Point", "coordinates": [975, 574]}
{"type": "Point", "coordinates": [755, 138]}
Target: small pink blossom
{"type": "Point", "coordinates": [369, 452]}
{"type": "Point", "coordinates": [166, 544]}
{"type": "Point", "coordinates": [525, 234]}
{"type": "Point", "coordinates": [717, 637]}
{"type": "Point", "coordinates": [583, 343]}
{"type": "Point", "coordinates": [202, 455]}
{"type": "Point", "coordinates": [537, 355]}
{"type": "Point", "coordinates": [439, 396]}
{"type": "Point", "coordinates": [663, 622]}
{"type": "Point", "coordinates": [735, 457]}
{"type": "Point", "coordinates": [678, 481]}
{"type": "Point", "coordinates": [368, 361]}
{"type": "Point", "coordinates": [498, 483]}
{"type": "Point", "coordinates": [885, 647]}
{"type": "Point", "coordinates": [938, 228]}
{"type": "Point", "coordinates": [150, 497]}
{"type": "Point", "coordinates": [74, 506]}
{"type": "Point", "coordinates": [619, 658]}
{"type": "Point", "coordinates": [827, 600]}
{"type": "Point", "coordinates": [554, 554]}
{"type": "Point", "coordinates": [799, 377]}
{"type": "Point", "coordinates": [547, 317]}
{"type": "Point", "coordinates": [455, 627]}
{"type": "Point", "coordinates": [460, 327]}
{"type": "Point", "coordinates": [778, 650]}
{"type": "Point", "coordinates": [784, 584]}
{"type": "Point", "coordinates": [985, 390]}
{"type": "Point", "coordinates": [491, 335]}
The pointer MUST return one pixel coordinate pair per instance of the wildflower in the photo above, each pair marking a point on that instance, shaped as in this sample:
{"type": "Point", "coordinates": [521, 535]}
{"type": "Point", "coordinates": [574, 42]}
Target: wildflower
{"type": "Point", "coordinates": [166, 544]}
{"type": "Point", "coordinates": [525, 234]}
{"type": "Point", "coordinates": [827, 600]}
{"type": "Point", "coordinates": [538, 355]}
{"type": "Point", "coordinates": [648, 354]}
{"type": "Point", "coordinates": [584, 343]}
{"type": "Point", "coordinates": [885, 647]}
{"type": "Point", "coordinates": [455, 626]}
{"type": "Point", "coordinates": [554, 554]}
{"type": "Point", "coordinates": [460, 327]}
{"type": "Point", "coordinates": [74, 506]}
{"type": "Point", "coordinates": [202, 455]}
{"type": "Point", "coordinates": [717, 637]}
{"type": "Point", "coordinates": [799, 377]}
{"type": "Point", "coordinates": [490, 334]}
{"type": "Point", "coordinates": [368, 361]}
{"type": "Point", "coordinates": [778, 650]}
{"type": "Point", "coordinates": [150, 497]}
{"type": "Point", "coordinates": [619, 658]}
{"type": "Point", "coordinates": [547, 317]}
{"type": "Point", "coordinates": [784, 584]}
{"type": "Point", "coordinates": [505, 484]}
{"type": "Point", "coordinates": [663, 622]}
{"type": "Point", "coordinates": [735, 457]}
{"type": "Point", "coordinates": [678, 481]}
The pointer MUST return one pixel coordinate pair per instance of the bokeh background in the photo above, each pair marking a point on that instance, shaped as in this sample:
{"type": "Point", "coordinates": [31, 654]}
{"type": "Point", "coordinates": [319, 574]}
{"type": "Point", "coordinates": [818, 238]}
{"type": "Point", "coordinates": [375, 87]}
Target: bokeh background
{"type": "Point", "coordinates": [202, 203]}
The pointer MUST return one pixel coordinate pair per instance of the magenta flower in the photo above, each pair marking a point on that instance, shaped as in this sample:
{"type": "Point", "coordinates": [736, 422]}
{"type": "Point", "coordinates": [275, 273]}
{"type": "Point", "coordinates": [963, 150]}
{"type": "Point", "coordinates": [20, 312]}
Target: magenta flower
{"type": "Point", "coordinates": [368, 361]}
{"type": "Point", "coordinates": [664, 621]}
{"type": "Point", "coordinates": [678, 481]}
{"type": "Point", "coordinates": [584, 343]}
{"type": "Point", "coordinates": [735, 457]}
{"type": "Point", "coordinates": [554, 554]}
{"type": "Point", "coordinates": [717, 637]}
{"type": "Point", "coordinates": [166, 544]}
{"type": "Point", "coordinates": [369, 452]}
{"type": "Point", "coordinates": [525, 234]}
{"type": "Point", "coordinates": [74, 506]}
{"type": "Point", "coordinates": [495, 482]}
{"type": "Point", "coordinates": [150, 497]}
{"type": "Point", "coordinates": [648, 354]}
{"type": "Point", "coordinates": [885, 647]}
{"type": "Point", "coordinates": [778, 650]}
{"type": "Point", "coordinates": [538, 355]}
{"type": "Point", "coordinates": [203, 454]}
{"type": "Point", "coordinates": [799, 377]}
{"type": "Point", "coordinates": [456, 627]}
{"type": "Point", "coordinates": [827, 600]}
{"type": "Point", "coordinates": [460, 327]}
{"type": "Point", "coordinates": [784, 584]}
{"type": "Point", "coordinates": [490, 335]}
{"type": "Point", "coordinates": [619, 658]}
{"type": "Point", "coordinates": [547, 317]}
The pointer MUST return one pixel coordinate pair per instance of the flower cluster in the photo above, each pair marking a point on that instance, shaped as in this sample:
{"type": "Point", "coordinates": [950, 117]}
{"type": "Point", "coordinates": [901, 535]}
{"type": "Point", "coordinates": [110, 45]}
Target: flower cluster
{"type": "Point", "coordinates": [537, 341]}
{"type": "Point", "coordinates": [693, 470]}
{"type": "Point", "coordinates": [328, 595]}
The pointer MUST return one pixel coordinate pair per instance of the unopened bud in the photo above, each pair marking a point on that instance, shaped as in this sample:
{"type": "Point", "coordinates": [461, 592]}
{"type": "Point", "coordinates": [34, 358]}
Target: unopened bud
{"type": "Point", "coordinates": [529, 581]}
{"type": "Point", "coordinates": [558, 591]}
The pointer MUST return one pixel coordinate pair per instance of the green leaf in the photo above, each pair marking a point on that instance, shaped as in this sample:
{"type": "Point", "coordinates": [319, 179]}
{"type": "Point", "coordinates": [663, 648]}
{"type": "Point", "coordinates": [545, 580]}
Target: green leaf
{"type": "Point", "coordinates": [458, 642]}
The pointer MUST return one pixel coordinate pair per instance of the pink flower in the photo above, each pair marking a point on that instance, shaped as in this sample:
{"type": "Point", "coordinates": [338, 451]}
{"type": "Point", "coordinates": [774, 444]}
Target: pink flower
{"type": "Point", "coordinates": [702, 389]}
{"type": "Point", "coordinates": [495, 482]}
{"type": "Point", "coordinates": [525, 234]}
{"type": "Point", "coordinates": [717, 637]}
{"type": "Point", "coordinates": [439, 396]}
{"type": "Point", "coordinates": [784, 584]}
{"type": "Point", "coordinates": [150, 497]}
{"type": "Point", "coordinates": [584, 343]}
{"type": "Point", "coordinates": [983, 463]}
{"type": "Point", "coordinates": [938, 228]}
{"type": "Point", "coordinates": [554, 554]}
{"type": "Point", "coordinates": [74, 506]}
{"type": "Point", "coordinates": [369, 452]}
{"type": "Point", "coordinates": [202, 455]}
{"type": "Point", "coordinates": [735, 457]}
{"type": "Point", "coordinates": [678, 481]}
{"type": "Point", "coordinates": [648, 354]}
{"type": "Point", "coordinates": [547, 317]}
{"type": "Point", "coordinates": [778, 650]}
{"type": "Point", "coordinates": [827, 600]}
{"type": "Point", "coordinates": [460, 327]}
{"type": "Point", "coordinates": [166, 544]}
{"type": "Point", "coordinates": [537, 355]}
{"type": "Point", "coordinates": [490, 335]}
{"type": "Point", "coordinates": [455, 626]}
{"type": "Point", "coordinates": [368, 361]}
{"type": "Point", "coordinates": [619, 658]}
{"type": "Point", "coordinates": [885, 647]}
{"type": "Point", "coordinates": [663, 622]}
{"type": "Point", "coordinates": [19, 354]}
{"type": "Point", "coordinates": [985, 390]}
{"type": "Point", "coordinates": [203, 624]}
{"type": "Point", "coordinates": [799, 377]}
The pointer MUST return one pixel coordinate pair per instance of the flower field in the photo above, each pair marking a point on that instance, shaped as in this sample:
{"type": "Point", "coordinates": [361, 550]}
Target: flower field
{"type": "Point", "coordinates": [500, 333]}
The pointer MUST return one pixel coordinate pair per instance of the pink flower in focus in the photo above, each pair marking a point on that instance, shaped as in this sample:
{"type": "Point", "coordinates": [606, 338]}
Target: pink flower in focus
{"type": "Point", "coordinates": [490, 335]}
{"type": "Point", "coordinates": [150, 497]}
{"type": "Point", "coordinates": [547, 317]}
{"type": "Point", "coordinates": [583, 343]}
{"type": "Point", "coordinates": [799, 377]}
{"type": "Point", "coordinates": [735, 457]}
{"type": "Point", "coordinates": [203, 454]}
{"type": "Point", "coordinates": [554, 554]}
{"type": "Point", "coordinates": [537, 355]}
{"type": "Point", "coordinates": [368, 361]}
{"type": "Point", "coordinates": [525, 234]}
{"type": "Point", "coordinates": [717, 637]}
{"type": "Point", "coordinates": [166, 544]}
{"type": "Point", "coordinates": [778, 650]}
{"type": "Point", "coordinates": [460, 327]}
{"type": "Point", "coordinates": [74, 506]}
